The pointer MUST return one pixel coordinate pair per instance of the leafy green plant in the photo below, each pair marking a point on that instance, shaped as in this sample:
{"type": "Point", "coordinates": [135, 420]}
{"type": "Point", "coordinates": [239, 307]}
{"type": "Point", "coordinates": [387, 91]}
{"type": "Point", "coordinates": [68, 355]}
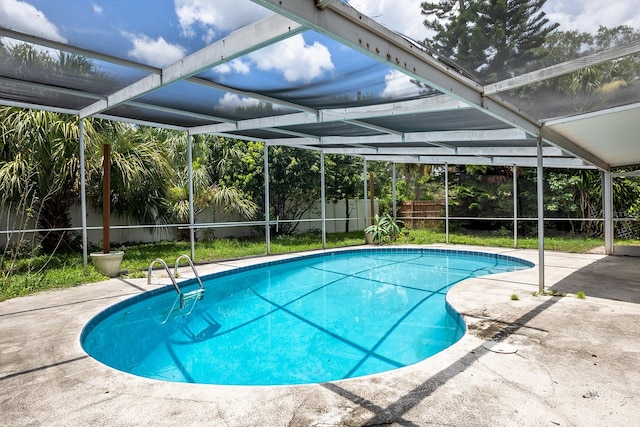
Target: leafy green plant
{"type": "Point", "coordinates": [549, 293]}
{"type": "Point", "coordinates": [514, 297]}
{"type": "Point", "coordinates": [580, 295]}
{"type": "Point", "coordinates": [385, 229]}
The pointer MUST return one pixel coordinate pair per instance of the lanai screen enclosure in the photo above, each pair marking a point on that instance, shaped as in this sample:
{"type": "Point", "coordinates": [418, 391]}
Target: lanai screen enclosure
{"type": "Point", "coordinates": [322, 75]}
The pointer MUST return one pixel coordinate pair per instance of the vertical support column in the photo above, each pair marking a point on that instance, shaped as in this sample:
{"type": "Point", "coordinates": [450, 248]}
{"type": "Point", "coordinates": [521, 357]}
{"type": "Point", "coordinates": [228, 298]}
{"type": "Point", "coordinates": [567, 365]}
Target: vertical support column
{"type": "Point", "coordinates": [267, 220]}
{"type": "Point", "coordinates": [393, 190]}
{"type": "Point", "coordinates": [83, 198]}
{"type": "Point", "coordinates": [365, 199]}
{"type": "Point", "coordinates": [446, 202]}
{"type": "Point", "coordinates": [607, 203]}
{"type": "Point", "coordinates": [106, 198]}
{"type": "Point", "coordinates": [515, 206]}
{"type": "Point", "coordinates": [372, 200]}
{"type": "Point", "coordinates": [192, 231]}
{"type": "Point", "coordinates": [323, 202]}
{"type": "Point", "coordinates": [540, 191]}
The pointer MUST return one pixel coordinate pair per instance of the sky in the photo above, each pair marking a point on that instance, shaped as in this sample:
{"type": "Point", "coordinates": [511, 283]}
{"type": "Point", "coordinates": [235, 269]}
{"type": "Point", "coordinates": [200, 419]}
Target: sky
{"type": "Point", "coordinates": [404, 15]}
{"type": "Point", "coordinates": [159, 32]}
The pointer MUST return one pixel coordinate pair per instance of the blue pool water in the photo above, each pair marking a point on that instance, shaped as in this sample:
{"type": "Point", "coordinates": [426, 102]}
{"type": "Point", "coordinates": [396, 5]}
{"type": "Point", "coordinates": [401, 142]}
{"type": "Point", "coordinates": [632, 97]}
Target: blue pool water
{"type": "Point", "coordinates": [312, 319]}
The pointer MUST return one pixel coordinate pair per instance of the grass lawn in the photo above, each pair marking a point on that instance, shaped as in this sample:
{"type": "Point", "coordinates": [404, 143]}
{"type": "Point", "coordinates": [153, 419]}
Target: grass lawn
{"type": "Point", "coordinates": [65, 270]}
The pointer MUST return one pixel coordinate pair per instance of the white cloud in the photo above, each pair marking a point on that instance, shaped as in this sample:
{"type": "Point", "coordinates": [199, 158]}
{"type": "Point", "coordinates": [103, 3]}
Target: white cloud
{"type": "Point", "coordinates": [295, 59]}
{"type": "Point", "coordinates": [157, 52]}
{"type": "Point", "coordinates": [212, 17]}
{"type": "Point", "coordinates": [233, 101]}
{"type": "Point", "coordinates": [237, 66]}
{"type": "Point", "coordinates": [403, 16]}
{"type": "Point", "coordinates": [588, 15]}
{"type": "Point", "coordinates": [97, 9]}
{"type": "Point", "coordinates": [209, 36]}
{"type": "Point", "coordinates": [399, 85]}
{"type": "Point", "coordinates": [22, 16]}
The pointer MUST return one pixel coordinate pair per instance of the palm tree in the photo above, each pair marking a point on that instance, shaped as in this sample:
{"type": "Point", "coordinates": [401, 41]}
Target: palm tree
{"type": "Point", "coordinates": [140, 170]}
{"type": "Point", "coordinates": [210, 157]}
{"type": "Point", "coordinates": [40, 153]}
{"type": "Point", "coordinates": [39, 150]}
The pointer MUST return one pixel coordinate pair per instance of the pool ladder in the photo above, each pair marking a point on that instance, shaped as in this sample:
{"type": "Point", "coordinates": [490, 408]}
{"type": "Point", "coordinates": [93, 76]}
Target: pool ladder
{"type": "Point", "coordinates": [183, 297]}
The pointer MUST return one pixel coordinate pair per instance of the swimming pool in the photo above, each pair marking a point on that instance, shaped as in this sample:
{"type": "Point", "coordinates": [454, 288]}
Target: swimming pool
{"type": "Point", "coordinates": [315, 318]}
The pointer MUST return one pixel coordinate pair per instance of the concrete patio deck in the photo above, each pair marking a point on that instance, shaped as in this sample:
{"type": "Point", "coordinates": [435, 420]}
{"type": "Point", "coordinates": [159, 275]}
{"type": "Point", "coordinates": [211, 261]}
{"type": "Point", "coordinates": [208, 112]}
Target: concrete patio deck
{"type": "Point", "coordinates": [577, 364]}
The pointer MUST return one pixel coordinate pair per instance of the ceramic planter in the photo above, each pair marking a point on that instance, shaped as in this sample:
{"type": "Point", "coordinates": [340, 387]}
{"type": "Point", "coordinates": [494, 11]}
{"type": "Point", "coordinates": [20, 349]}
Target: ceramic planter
{"type": "Point", "coordinates": [109, 263]}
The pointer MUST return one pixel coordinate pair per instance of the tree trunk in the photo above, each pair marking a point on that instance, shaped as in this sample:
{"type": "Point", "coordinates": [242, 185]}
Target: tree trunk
{"type": "Point", "coordinates": [55, 214]}
{"type": "Point", "coordinates": [347, 214]}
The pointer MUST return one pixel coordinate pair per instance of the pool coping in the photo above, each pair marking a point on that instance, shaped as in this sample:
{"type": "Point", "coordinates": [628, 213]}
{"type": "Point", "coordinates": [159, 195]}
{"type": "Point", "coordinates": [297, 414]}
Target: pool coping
{"type": "Point", "coordinates": [211, 278]}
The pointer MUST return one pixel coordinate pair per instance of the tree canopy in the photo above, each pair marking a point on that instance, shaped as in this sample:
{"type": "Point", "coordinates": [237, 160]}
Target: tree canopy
{"type": "Point", "coordinates": [492, 39]}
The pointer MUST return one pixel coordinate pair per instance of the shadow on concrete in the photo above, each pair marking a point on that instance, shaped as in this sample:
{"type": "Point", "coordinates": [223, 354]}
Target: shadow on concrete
{"type": "Point", "coordinates": [394, 413]}
{"type": "Point", "coordinates": [50, 307]}
{"type": "Point", "coordinates": [612, 277]}
{"type": "Point", "coordinates": [41, 368]}
{"type": "Point", "coordinates": [81, 301]}
{"type": "Point", "coordinates": [133, 285]}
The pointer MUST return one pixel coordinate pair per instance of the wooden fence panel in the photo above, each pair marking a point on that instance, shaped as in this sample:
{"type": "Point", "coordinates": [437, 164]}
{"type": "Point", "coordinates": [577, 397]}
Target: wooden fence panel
{"type": "Point", "coordinates": [420, 213]}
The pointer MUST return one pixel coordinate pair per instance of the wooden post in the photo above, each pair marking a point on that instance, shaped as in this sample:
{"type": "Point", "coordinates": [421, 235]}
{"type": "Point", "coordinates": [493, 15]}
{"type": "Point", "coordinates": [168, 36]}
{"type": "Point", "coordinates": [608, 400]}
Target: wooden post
{"type": "Point", "coordinates": [106, 198]}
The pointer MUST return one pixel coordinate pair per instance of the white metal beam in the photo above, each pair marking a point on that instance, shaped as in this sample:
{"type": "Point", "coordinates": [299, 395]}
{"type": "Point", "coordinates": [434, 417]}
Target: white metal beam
{"type": "Point", "coordinates": [607, 202]}
{"type": "Point", "coordinates": [540, 206]}
{"type": "Point", "coordinates": [510, 151]}
{"type": "Point", "coordinates": [359, 151]}
{"type": "Point", "coordinates": [563, 68]}
{"type": "Point", "coordinates": [398, 159]}
{"type": "Point", "coordinates": [56, 45]}
{"type": "Point", "coordinates": [323, 3]}
{"type": "Point", "coordinates": [138, 122]}
{"type": "Point", "coordinates": [300, 142]}
{"type": "Point", "coordinates": [424, 156]}
{"type": "Point", "coordinates": [599, 113]}
{"type": "Point", "coordinates": [428, 105]}
{"type": "Point", "coordinates": [495, 152]}
{"type": "Point", "coordinates": [473, 160]}
{"type": "Point", "coordinates": [254, 95]}
{"type": "Point", "coordinates": [178, 112]}
{"type": "Point", "coordinates": [323, 202]}
{"type": "Point", "coordinates": [626, 174]}
{"type": "Point", "coordinates": [306, 147]}
{"type": "Point", "coordinates": [433, 104]}
{"type": "Point", "coordinates": [292, 133]}
{"type": "Point", "coordinates": [267, 204]}
{"type": "Point", "coordinates": [49, 88]}
{"type": "Point", "coordinates": [343, 23]}
{"type": "Point", "coordinates": [377, 128]}
{"type": "Point", "coordinates": [241, 137]}
{"type": "Point", "coordinates": [252, 37]}
{"type": "Point", "coordinates": [83, 193]}
{"type": "Point", "coordinates": [434, 138]}
{"type": "Point", "coordinates": [192, 231]}
{"type": "Point", "coordinates": [259, 123]}
{"type": "Point", "coordinates": [548, 162]}
{"type": "Point", "coordinates": [41, 107]}
{"type": "Point", "coordinates": [466, 136]}
{"type": "Point", "coordinates": [415, 151]}
{"type": "Point", "coordinates": [459, 160]}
